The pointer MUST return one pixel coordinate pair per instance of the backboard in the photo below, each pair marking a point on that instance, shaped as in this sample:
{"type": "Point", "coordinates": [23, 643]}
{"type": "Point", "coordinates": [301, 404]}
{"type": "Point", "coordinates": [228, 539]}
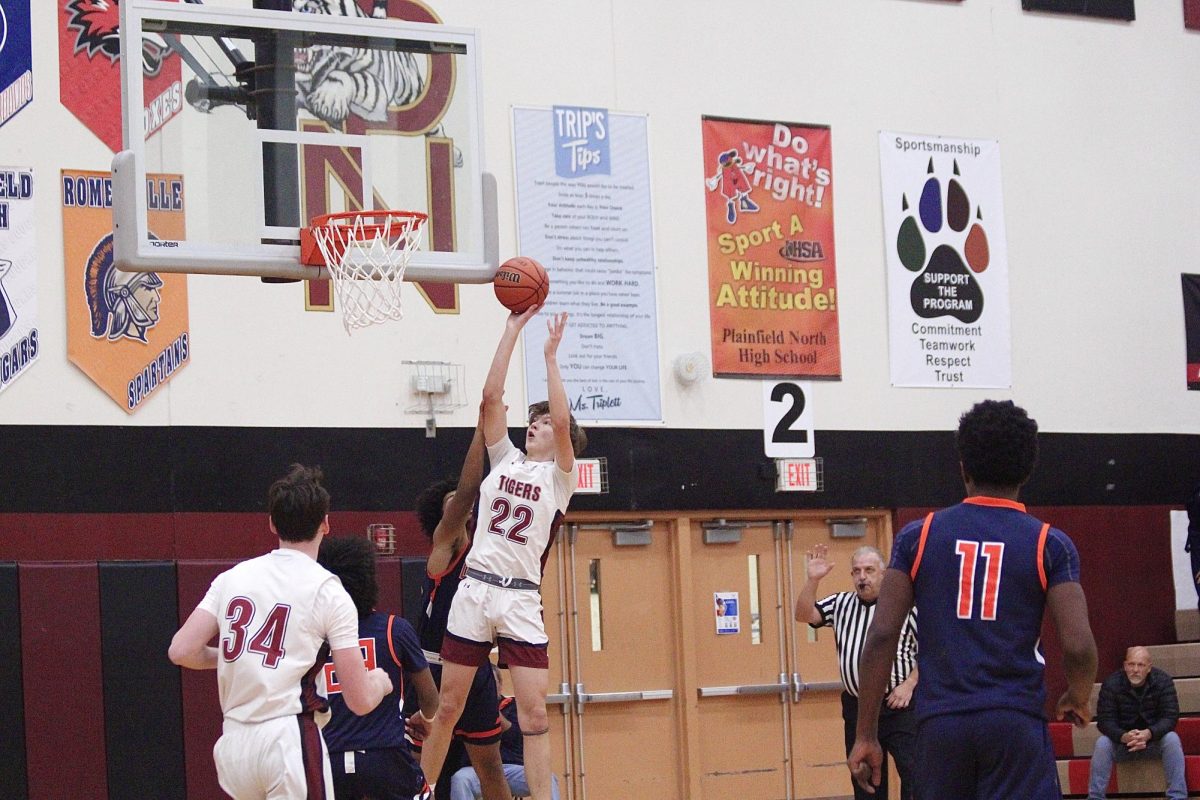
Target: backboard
{"type": "Point", "coordinates": [282, 115]}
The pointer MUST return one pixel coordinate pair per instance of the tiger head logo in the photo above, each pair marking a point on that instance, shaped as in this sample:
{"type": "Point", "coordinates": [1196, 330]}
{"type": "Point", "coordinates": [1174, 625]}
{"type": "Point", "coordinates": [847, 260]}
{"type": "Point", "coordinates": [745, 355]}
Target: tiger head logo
{"type": "Point", "coordinates": [97, 26]}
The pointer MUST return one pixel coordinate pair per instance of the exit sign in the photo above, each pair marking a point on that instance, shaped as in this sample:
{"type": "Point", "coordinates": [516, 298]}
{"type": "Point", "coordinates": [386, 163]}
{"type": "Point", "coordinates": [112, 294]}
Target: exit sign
{"type": "Point", "coordinates": [799, 475]}
{"type": "Point", "coordinates": [593, 476]}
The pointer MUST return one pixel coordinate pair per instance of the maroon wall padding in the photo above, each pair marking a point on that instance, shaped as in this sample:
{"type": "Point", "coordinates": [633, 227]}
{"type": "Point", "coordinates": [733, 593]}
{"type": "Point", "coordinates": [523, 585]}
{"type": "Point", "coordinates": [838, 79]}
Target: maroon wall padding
{"type": "Point", "coordinates": [201, 704]}
{"type": "Point", "coordinates": [64, 698]}
{"type": "Point", "coordinates": [1125, 562]}
{"type": "Point", "coordinates": [85, 537]}
{"type": "Point", "coordinates": [174, 536]}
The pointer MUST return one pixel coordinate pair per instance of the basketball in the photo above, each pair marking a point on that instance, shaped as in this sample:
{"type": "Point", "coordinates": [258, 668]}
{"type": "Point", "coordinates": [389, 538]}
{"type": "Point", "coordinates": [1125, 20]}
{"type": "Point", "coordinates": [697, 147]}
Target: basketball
{"type": "Point", "coordinates": [520, 283]}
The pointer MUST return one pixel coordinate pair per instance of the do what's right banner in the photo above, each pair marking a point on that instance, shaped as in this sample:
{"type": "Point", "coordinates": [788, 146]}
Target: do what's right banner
{"type": "Point", "coordinates": [947, 262]}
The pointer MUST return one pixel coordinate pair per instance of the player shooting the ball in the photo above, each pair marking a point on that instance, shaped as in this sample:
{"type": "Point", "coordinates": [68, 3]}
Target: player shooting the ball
{"type": "Point", "coordinates": [521, 505]}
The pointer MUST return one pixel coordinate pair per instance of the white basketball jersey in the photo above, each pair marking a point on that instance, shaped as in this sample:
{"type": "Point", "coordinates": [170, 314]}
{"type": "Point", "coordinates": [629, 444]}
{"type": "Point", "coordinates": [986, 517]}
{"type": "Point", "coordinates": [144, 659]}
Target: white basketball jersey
{"type": "Point", "coordinates": [520, 505]}
{"type": "Point", "coordinates": [275, 613]}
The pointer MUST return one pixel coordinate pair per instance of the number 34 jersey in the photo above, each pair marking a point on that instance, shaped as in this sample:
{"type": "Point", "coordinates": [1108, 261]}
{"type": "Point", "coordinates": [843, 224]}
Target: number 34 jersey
{"type": "Point", "coordinates": [980, 573]}
{"type": "Point", "coordinates": [521, 505]}
{"type": "Point", "coordinates": [276, 613]}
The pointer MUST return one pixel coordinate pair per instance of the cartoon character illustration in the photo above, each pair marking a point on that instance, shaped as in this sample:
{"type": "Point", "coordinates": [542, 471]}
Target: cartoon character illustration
{"type": "Point", "coordinates": [122, 304]}
{"type": "Point", "coordinates": [735, 188]}
{"type": "Point", "coordinates": [8, 315]}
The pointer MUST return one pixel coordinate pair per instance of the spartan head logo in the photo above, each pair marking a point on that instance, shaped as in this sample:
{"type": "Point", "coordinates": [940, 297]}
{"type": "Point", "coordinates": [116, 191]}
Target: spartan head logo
{"type": "Point", "coordinates": [123, 305]}
{"type": "Point", "coordinates": [97, 30]}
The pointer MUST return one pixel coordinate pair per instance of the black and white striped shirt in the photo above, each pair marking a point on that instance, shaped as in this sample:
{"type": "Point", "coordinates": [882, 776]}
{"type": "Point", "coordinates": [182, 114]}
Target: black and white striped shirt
{"type": "Point", "coordinates": [850, 618]}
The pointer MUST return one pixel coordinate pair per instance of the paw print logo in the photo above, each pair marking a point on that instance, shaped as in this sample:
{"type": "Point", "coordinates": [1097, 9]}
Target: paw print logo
{"type": "Point", "coordinates": [946, 283]}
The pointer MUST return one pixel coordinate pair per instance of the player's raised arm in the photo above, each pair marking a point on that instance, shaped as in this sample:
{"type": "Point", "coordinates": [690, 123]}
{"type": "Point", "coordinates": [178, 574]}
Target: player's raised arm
{"type": "Point", "coordinates": [560, 408]}
{"type": "Point", "coordinates": [495, 423]}
{"type": "Point", "coordinates": [450, 533]}
{"type": "Point", "coordinates": [189, 646]}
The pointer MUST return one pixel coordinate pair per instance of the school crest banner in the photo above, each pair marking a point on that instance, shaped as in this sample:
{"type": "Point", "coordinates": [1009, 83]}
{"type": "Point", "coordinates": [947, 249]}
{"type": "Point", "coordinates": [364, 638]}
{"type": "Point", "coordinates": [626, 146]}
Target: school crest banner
{"type": "Point", "coordinates": [19, 342]}
{"type": "Point", "coordinates": [89, 71]}
{"type": "Point", "coordinates": [127, 331]}
{"type": "Point", "coordinates": [773, 304]}
{"type": "Point", "coordinates": [947, 262]}
{"type": "Point", "coordinates": [16, 58]}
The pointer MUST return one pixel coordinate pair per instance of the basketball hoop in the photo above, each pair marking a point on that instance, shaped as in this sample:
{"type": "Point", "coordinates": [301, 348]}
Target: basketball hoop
{"type": "Point", "coordinates": [365, 254]}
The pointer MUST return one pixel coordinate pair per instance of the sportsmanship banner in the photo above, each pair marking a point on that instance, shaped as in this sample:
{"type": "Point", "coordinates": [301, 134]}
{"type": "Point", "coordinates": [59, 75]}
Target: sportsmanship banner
{"type": "Point", "coordinates": [128, 331]}
{"type": "Point", "coordinates": [1191, 322]}
{"type": "Point", "coordinates": [583, 210]}
{"type": "Point", "coordinates": [19, 343]}
{"type": "Point", "coordinates": [947, 262]}
{"type": "Point", "coordinates": [16, 58]}
{"type": "Point", "coordinates": [771, 270]}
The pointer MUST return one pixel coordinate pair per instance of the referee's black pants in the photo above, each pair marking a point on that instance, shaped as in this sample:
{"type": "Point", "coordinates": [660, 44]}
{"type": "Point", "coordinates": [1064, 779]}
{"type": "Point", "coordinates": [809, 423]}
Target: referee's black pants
{"type": "Point", "coordinates": [897, 737]}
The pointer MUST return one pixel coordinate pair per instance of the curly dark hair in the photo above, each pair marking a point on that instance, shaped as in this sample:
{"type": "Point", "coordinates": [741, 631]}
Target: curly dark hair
{"type": "Point", "coordinates": [298, 503]}
{"type": "Point", "coordinates": [352, 558]}
{"type": "Point", "coordinates": [429, 504]}
{"type": "Point", "coordinates": [578, 436]}
{"type": "Point", "coordinates": [997, 444]}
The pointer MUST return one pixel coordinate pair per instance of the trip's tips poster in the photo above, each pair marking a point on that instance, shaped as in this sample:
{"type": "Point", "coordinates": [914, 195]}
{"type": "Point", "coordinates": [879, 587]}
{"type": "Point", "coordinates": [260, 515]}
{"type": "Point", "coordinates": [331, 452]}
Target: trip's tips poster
{"type": "Point", "coordinates": [773, 301]}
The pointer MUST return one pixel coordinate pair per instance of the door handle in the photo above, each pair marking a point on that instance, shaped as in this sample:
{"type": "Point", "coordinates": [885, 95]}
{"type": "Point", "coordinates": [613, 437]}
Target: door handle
{"type": "Point", "coordinates": [745, 688]}
{"type": "Point", "coordinates": [626, 697]}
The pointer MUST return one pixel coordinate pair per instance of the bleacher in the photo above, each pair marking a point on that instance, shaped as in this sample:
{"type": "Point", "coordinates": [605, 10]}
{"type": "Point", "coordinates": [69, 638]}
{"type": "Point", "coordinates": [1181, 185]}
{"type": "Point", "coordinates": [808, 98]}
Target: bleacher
{"type": "Point", "coordinates": [1142, 779]}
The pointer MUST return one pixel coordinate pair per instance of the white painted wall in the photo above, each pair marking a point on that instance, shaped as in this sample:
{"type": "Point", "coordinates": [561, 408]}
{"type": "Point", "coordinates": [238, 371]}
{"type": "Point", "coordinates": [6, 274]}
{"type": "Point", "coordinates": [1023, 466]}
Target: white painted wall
{"type": "Point", "coordinates": [1097, 123]}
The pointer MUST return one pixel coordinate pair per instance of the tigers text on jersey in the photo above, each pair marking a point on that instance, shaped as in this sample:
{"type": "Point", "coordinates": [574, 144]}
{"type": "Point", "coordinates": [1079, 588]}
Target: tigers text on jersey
{"type": "Point", "coordinates": [276, 613]}
{"type": "Point", "coordinates": [521, 504]}
{"type": "Point", "coordinates": [980, 573]}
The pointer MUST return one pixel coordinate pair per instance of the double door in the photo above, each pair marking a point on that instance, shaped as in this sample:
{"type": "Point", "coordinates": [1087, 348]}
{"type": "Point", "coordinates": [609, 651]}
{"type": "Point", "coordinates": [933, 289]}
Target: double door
{"type": "Point", "coordinates": [677, 669]}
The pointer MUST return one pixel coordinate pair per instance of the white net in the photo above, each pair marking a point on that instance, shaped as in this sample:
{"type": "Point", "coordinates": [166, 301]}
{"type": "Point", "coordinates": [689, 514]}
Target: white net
{"type": "Point", "coordinates": [365, 255]}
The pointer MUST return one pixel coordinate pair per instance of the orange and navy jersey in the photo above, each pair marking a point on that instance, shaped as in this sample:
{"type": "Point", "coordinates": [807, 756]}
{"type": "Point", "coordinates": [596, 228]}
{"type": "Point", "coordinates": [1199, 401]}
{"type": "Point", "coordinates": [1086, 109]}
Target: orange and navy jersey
{"type": "Point", "coordinates": [980, 573]}
{"type": "Point", "coordinates": [436, 597]}
{"type": "Point", "coordinates": [387, 642]}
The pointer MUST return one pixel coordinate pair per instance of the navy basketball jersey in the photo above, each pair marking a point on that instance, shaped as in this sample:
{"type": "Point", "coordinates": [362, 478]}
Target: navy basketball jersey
{"type": "Point", "coordinates": [980, 572]}
{"type": "Point", "coordinates": [436, 597]}
{"type": "Point", "coordinates": [388, 642]}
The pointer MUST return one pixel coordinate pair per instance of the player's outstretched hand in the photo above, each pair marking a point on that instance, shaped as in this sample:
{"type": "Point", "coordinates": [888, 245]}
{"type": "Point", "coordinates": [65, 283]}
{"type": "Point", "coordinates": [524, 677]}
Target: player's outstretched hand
{"type": "Point", "coordinates": [516, 322]}
{"type": "Point", "coordinates": [866, 764]}
{"type": "Point", "coordinates": [819, 564]}
{"type": "Point", "coordinates": [1073, 711]}
{"type": "Point", "coordinates": [556, 325]}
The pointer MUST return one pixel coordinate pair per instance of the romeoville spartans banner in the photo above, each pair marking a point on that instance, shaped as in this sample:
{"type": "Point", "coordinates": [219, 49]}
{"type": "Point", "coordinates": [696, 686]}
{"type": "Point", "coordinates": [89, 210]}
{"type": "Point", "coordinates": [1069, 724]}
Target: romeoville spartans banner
{"type": "Point", "coordinates": [773, 303]}
{"type": "Point", "coordinates": [1191, 323]}
{"type": "Point", "coordinates": [128, 331]}
{"type": "Point", "coordinates": [947, 262]}
{"type": "Point", "coordinates": [19, 342]}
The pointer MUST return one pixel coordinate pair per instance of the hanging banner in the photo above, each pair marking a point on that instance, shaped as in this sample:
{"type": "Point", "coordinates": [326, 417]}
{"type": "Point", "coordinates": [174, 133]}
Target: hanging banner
{"type": "Point", "coordinates": [19, 343]}
{"type": "Point", "coordinates": [947, 262]}
{"type": "Point", "coordinates": [583, 211]}
{"type": "Point", "coordinates": [89, 71]}
{"type": "Point", "coordinates": [771, 270]}
{"type": "Point", "coordinates": [16, 58]}
{"type": "Point", "coordinates": [128, 331]}
{"type": "Point", "coordinates": [1191, 14]}
{"type": "Point", "coordinates": [1191, 322]}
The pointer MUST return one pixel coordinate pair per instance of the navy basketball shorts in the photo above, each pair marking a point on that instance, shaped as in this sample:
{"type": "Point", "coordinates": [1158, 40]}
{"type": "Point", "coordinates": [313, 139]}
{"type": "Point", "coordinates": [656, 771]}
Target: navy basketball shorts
{"type": "Point", "coordinates": [995, 754]}
{"type": "Point", "coordinates": [386, 774]}
{"type": "Point", "coordinates": [480, 720]}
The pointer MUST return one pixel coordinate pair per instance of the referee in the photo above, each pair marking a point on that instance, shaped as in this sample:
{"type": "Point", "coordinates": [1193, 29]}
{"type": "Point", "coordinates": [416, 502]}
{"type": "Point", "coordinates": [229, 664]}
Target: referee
{"type": "Point", "coordinates": [850, 614]}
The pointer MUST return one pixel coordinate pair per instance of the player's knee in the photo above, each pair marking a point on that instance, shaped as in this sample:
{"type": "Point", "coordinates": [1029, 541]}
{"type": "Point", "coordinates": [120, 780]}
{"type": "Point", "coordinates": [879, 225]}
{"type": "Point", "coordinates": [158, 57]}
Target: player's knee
{"type": "Point", "coordinates": [533, 719]}
{"type": "Point", "coordinates": [450, 705]}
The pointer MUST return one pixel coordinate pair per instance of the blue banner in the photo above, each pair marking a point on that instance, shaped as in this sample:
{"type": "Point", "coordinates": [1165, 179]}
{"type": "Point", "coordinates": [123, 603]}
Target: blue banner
{"type": "Point", "coordinates": [16, 58]}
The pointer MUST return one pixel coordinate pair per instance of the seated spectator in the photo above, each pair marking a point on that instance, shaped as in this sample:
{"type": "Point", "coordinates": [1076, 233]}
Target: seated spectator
{"type": "Point", "coordinates": [1137, 712]}
{"type": "Point", "coordinates": [464, 784]}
